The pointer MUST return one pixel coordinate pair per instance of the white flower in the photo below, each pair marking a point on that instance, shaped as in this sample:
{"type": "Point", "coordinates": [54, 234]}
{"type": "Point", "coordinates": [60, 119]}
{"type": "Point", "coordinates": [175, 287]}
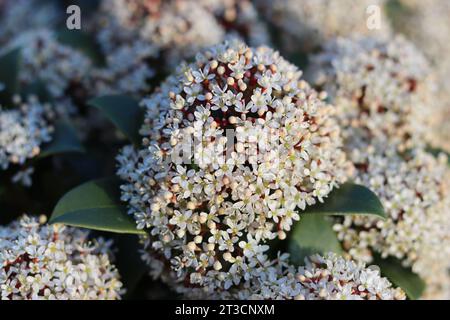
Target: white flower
{"type": "Point", "coordinates": [23, 130]}
{"type": "Point", "coordinates": [226, 199]}
{"type": "Point", "coordinates": [54, 262]}
{"type": "Point", "coordinates": [175, 29]}
{"type": "Point", "coordinates": [414, 191]}
{"type": "Point", "coordinates": [57, 65]}
{"type": "Point", "coordinates": [385, 89]}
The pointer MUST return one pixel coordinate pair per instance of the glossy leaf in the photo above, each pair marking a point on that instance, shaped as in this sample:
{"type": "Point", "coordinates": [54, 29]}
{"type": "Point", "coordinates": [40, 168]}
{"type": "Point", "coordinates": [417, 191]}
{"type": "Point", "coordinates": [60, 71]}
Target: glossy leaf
{"type": "Point", "coordinates": [64, 140]}
{"type": "Point", "coordinates": [38, 89]}
{"type": "Point", "coordinates": [351, 199]}
{"type": "Point", "coordinates": [401, 276]}
{"type": "Point", "coordinates": [9, 75]}
{"type": "Point", "coordinates": [124, 112]}
{"type": "Point", "coordinates": [128, 260]}
{"type": "Point", "coordinates": [312, 234]}
{"type": "Point", "coordinates": [83, 42]}
{"type": "Point", "coordinates": [95, 205]}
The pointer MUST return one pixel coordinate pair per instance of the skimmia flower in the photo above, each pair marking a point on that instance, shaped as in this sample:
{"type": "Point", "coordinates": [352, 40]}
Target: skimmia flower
{"type": "Point", "coordinates": [60, 67]}
{"type": "Point", "coordinates": [385, 90]}
{"type": "Point", "coordinates": [414, 190]}
{"type": "Point", "coordinates": [22, 132]}
{"type": "Point", "coordinates": [174, 27]}
{"type": "Point", "coordinates": [54, 262]}
{"type": "Point", "coordinates": [426, 24]}
{"type": "Point", "coordinates": [17, 16]}
{"type": "Point", "coordinates": [123, 74]}
{"type": "Point", "coordinates": [210, 214]}
{"type": "Point", "coordinates": [307, 24]}
{"type": "Point", "coordinates": [328, 277]}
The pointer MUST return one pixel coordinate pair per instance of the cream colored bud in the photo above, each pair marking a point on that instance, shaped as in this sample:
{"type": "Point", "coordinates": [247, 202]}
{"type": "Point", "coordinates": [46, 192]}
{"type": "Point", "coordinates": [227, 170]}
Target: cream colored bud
{"type": "Point", "coordinates": [217, 266]}
{"type": "Point", "coordinates": [155, 206]}
{"type": "Point", "coordinates": [211, 225]}
{"type": "Point", "coordinates": [221, 70]}
{"type": "Point", "coordinates": [301, 278]}
{"type": "Point", "coordinates": [203, 219]}
{"type": "Point", "coordinates": [214, 64]}
{"type": "Point", "coordinates": [181, 233]}
{"type": "Point", "coordinates": [210, 246]}
{"type": "Point", "coordinates": [168, 195]}
{"type": "Point", "coordinates": [227, 256]}
{"type": "Point", "coordinates": [198, 239]}
{"type": "Point", "coordinates": [175, 188]}
{"type": "Point", "coordinates": [242, 85]}
{"type": "Point", "coordinates": [191, 205]}
{"type": "Point", "coordinates": [281, 235]}
{"type": "Point", "coordinates": [192, 246]}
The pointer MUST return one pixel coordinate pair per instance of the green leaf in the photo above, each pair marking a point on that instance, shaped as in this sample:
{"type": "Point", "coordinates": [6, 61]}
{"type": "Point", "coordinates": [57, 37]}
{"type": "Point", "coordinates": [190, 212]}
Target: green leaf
{"type": "Point", "coordinates": [64, 140]}
{"type": "Point", "coordinates": [349, 198]}
{"type": "Point", "coordinates": [9, 74]}
{"type": "Point", "coordinates": [124, 112]}
{"type": "Point", "coordinates": [312, 234]}
{"type": "Point", "coordinates": [95, 205]}
{"type": "Point", "coordinates": [38, 89]}
{"type": "Point", "coordinates": [128, 260]}
{"type": "Point", "coordinates": [83, 42]}
{"type": "Point", "coordinates": [401, 276]}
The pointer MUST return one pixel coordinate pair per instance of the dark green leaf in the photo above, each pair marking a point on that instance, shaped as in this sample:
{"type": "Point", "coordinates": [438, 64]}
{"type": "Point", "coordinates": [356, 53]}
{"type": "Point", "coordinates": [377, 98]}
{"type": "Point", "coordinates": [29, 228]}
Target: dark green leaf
{"type": "Point", "coordinates": [95, 205]}
{"type": "Point", "coordinates": [401, 276]}
{"type": "Point", "coordinates": [9, 75]}
{"type": "Point", "coordinates": [312, 234]}
{"type": "Point", "coordinates": [124, 112]}
{"type": "Point", "coordinates": [38, 89]}
{"type": "Point", "coordinates": [349, 199]}
{"type": "Point", "coordinates": [128, 260]}
{"type": "Point", "coordinates": [64, 140]}
{"type": "Point", "coordinates": [83, 42]}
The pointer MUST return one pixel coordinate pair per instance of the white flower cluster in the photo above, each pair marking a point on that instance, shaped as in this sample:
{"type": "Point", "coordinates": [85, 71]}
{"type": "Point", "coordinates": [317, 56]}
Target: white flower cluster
{"type": "Point", "coordinates": [307, 24]}
{"type": "Point", "coordinates": [384, 89]}
{"type": "Point", "coordinates": [43, 58]}
{"type": "Point", "coordinates": [17, 16]}
{"type": "Point", "coordinates": [210, 215]}
{"type": "Point", "coordinates": [427, 25]}
{"type": "Point", "coordinates": [415, 193]}
{"type": "Point", "coordinates": [123, 74]}
{"type": "Point", "coordinates": [328, 277]}
{"type": "Point", "coordinates": [175, 28]}
{"type": "Point", "coordinates": [22, 132]}
{"type": "Point", "coordinates": [53, 262]}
